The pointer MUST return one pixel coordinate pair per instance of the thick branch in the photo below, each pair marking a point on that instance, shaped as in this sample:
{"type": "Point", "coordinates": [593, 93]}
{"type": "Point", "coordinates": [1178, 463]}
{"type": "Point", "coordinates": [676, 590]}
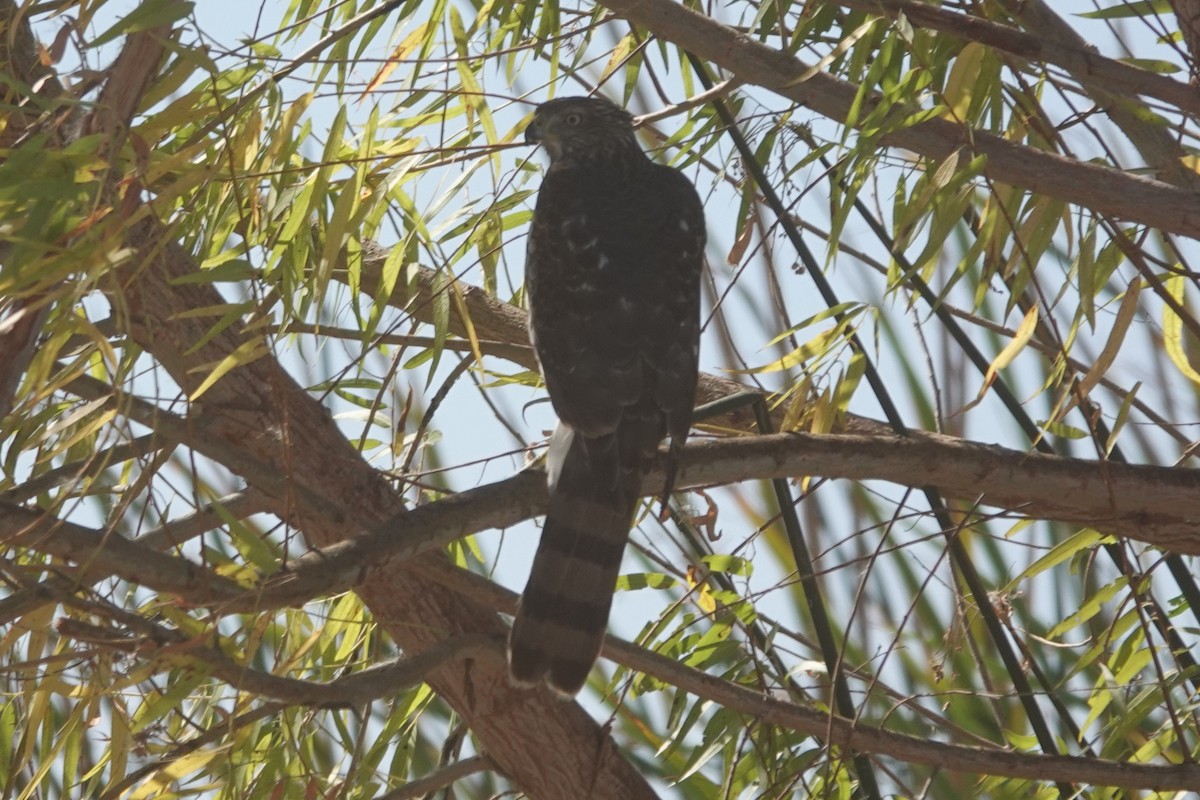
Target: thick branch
{"type": "Point", "coordinates": [1104, 189]}
{"type": "Point", "coordinates": [494, 319]}
{"type": "Point", "coordinates": [1080, 61]}
{"type": "Point", "coordinates": [271, 426]}
{"type": "Point", "coordinates": [21, 602]}
{"type": "Point", "coordinates": [1158, 145]}
{"type": "Point", "coordinates": [1151, 504]}
{"type": "Point", "coordinates": [128, 79]}
{"type": "Point", "coordinates": [853, 735]}
{"type": "Point", "coordinates": [113, 554]}
{"type": "Point", "coordinates": [349, 691]}
{"type": "Point", "coordinates": [1156, 505]}
{"type": "Point", "coordinates": [1188, 14]}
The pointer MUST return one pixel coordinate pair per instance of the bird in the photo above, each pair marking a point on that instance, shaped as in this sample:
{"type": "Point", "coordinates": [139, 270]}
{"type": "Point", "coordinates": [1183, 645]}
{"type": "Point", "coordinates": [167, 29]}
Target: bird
{"type": "Point", "coordinates": [613, 266]}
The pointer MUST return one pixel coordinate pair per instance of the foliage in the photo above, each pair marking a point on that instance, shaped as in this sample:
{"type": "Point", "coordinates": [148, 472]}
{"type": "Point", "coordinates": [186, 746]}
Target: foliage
{"type": "Point", "coordinates": [336, 195]}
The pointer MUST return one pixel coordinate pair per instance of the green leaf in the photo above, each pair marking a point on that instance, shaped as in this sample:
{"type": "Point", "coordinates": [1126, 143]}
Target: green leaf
{"type": "Point", "coordinates": [1084, 540]}
{"type": "Point", "coordinates": [150, 14]}
{"type": "Point", "coordinates": [618, 56]}
{"type": "Point", "coordinates": [222, 270]}
{"type": "Point", "coordinates": [1011, 350]}
{"type": "Point", "coordinates": [1130, 8]}
{"type": "Point", "coordinates": [1063, 429]}
{"type": "Point", "coordinates": [1152, 65]}
{"type": "Point", "coordinates": [732, 565]}
{"type": "Point", "coordinates": [719, 731]}
{"type": "Point", "coordinates": [1090, 608]}
{"type": "Point", "coordinates": [245, 353]}
{"type": "Point", "coordinates": [645, 580]}
{"type": "Point", "coordinates": [1121, 418]}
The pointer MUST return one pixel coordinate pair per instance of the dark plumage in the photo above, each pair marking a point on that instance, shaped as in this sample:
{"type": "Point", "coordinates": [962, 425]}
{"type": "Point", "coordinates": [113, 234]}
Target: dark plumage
{"type": "Point", "coordinates": [615, 254]}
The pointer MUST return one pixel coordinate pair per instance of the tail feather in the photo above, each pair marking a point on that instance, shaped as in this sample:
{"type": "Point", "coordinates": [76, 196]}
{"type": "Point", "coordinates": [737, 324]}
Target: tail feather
{"type": "Point", "coordinates": [563, 613]}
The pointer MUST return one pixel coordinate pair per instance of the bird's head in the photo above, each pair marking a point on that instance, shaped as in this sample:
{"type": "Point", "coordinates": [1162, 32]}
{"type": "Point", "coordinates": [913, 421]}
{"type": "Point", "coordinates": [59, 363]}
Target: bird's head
{"type": "Point", "coordinates": [576, 128]}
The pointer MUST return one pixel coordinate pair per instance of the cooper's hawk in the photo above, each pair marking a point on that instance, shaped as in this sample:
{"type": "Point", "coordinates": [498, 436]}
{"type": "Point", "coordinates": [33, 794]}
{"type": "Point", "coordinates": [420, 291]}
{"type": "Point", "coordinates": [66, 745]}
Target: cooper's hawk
{"type": "Point", "coordinates": [612, 277]}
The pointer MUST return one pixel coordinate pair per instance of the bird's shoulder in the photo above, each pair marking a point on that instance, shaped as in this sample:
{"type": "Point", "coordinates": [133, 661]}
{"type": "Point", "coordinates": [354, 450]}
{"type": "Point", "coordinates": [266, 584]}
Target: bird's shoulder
{"type": "Point", "coordinates": [644, 190]}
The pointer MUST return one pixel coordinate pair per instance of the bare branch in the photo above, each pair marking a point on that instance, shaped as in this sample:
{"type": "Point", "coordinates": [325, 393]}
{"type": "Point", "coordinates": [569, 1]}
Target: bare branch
{"type": "Point", "coordinates": [1157, 505]}
{"type": "Point", "coordinates": [516, 353]}
{"type": "Point", "coordinates": [720, 90]}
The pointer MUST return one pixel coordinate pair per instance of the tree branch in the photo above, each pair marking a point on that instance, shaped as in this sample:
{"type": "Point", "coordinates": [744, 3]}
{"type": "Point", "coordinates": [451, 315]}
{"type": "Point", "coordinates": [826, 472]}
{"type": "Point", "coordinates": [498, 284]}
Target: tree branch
{"type": "Point", "coordinates": [1151, 504]}
{"type": "Point", "coordinates": [1080, 61]}
{"type": "Point", "coordinates": [439, 778]}
{"type": "Point", "coordinates": [113, 554]}
{"type": "Point", "coordinates": [1104, 189]}
{"type": "Point", "coordinates": [493, 319]}
{"type": "Point", "coordinates": [264, 426]}
{"type": "Point", "coordinates": [1156, 505]}
{"type": "Point", "coordinates": [172, 534]}
{"type": "Point", "coordinates": [1157, 144]}
{"type": "Point", "coordinates": [851, 734]}
{"type": "Point", "coordinates": [349, 691]}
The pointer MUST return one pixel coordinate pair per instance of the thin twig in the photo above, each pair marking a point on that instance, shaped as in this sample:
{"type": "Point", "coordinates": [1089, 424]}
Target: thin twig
{"type": "Point", "coordinates": [439, 778]}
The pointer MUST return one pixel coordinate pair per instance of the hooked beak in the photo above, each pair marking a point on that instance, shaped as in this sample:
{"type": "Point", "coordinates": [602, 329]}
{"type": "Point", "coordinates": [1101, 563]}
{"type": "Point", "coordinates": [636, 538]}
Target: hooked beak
{"type": "Point", "coordinates": [533, 133]}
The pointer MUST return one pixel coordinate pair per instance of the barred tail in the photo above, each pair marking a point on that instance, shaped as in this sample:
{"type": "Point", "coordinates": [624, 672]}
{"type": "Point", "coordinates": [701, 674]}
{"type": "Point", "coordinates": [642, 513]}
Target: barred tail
{"type": "Point", "coordinates": [563, 612]}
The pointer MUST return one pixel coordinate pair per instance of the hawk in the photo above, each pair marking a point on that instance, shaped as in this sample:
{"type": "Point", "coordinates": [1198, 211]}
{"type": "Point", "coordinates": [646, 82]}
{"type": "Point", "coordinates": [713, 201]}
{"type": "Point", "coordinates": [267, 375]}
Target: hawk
{"type": "Point", "coordinates": [612, 278]}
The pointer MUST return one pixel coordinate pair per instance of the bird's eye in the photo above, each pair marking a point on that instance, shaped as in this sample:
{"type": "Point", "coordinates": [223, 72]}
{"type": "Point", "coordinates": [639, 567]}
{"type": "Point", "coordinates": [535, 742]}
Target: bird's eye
{"type": "Point", "coordinates": [573, 119]}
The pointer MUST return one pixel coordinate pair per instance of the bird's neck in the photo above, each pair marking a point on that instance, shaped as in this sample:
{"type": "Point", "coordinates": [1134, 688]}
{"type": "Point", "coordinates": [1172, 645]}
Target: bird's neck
{"type": "Point", "coordinates": [618, 160]}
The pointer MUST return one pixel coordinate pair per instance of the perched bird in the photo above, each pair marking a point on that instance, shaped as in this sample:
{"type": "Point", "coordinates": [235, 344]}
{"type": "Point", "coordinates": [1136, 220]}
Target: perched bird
{"type": "Point", "coordinates": [612, 279]}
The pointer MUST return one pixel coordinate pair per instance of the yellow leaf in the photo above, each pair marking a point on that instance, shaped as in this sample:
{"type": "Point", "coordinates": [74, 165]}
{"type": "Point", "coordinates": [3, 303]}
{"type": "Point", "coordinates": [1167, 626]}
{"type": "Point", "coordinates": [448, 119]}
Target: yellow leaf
{"type": "Point", "coordinates": [797, 404]}
{"type": "Point", "coordinates": [244, 354]}
{"type": "Point", "coordinates": [824, 413]}
{"type": "Point", "coordinates": [1173, 329]}
{"type": "Point", "coordinates": [464, 316]}
{"type": "Point", "coordinates": [1010, 352]}
{"type": "Point", "coordinates": [1115, 339]}
{"type": "Point", "coordinates": [619, 54]}
{"type": "Point", "coordinates": [179, 768]}
{"type": "Point", "coordinates": [960, 86]}
{"type": "Point", "coordinates": [843, 47]}
{"type": "Point", "coordinates": [704, 597]}
{"type": "Point", "coordinates": [401, 52]}
{"type": "Point", "coordinates": [739, 246]}
{"type": "Point", "coordinates": [813, 347]}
